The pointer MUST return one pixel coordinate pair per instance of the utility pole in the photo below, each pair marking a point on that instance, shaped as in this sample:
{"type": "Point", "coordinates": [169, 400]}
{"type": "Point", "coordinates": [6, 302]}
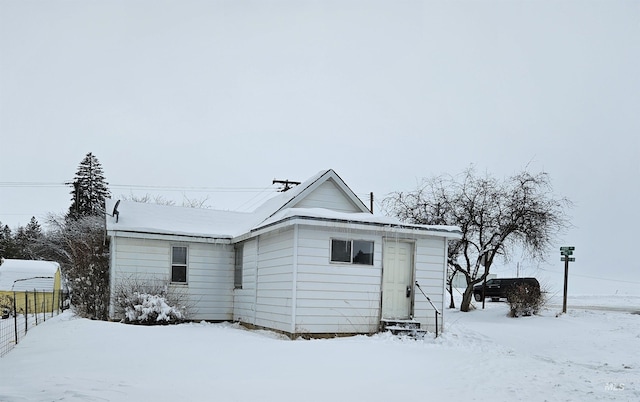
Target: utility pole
{"type": "Point", "coordinates": [371, 201]}
{"type": "Point", "coordinates": [566, 253]}
{"type": "Point", "coordinates": [287, 184]}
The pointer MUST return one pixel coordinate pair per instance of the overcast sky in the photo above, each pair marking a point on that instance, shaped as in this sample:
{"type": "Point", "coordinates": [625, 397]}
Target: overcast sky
{"type": "Point", "coordinates": [225, 96]}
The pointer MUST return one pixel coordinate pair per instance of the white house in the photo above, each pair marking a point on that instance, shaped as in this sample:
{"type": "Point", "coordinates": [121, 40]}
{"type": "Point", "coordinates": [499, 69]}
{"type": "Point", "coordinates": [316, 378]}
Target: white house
{"type": "Point", "coordinates": [311, 261]}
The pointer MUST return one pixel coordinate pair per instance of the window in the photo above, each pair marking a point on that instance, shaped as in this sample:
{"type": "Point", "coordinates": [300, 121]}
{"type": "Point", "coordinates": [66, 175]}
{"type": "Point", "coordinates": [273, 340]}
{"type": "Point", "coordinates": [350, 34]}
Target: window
{"type": "Point", "coordinates": [179, 264]}
{"type": "Point", "coordinates": [352, 251]}
{"type": "Point", "coordinates": [237, 273]}
{"type": "Point", "coordinates": [362, 252]}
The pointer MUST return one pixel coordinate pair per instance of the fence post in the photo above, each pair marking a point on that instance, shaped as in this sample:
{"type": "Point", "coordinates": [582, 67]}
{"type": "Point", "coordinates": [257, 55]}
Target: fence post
{"type": "Point", "coordinates": [44, 309]}
{"type": "Point", "coordinates": [35, 307]}
{"type": "Point", "coordinates": [15, 317]}
{"type": "Point", "coordinates": [26, 312]}
{"type": "Point", "coordinates": [53, 301]}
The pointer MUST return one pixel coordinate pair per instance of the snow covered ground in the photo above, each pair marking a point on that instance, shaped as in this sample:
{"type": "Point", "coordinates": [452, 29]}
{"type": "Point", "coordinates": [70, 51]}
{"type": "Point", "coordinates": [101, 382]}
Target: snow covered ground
{"type": "Point", "coordinates": [584, 355]}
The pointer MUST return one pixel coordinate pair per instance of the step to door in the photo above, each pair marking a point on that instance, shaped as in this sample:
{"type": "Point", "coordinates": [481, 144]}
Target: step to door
{"type": "Point", "coordinates": [409, 328]}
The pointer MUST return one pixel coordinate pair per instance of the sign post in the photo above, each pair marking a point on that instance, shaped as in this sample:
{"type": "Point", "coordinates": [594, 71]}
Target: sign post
{"type": "Point", "coordinates": [566, 253]}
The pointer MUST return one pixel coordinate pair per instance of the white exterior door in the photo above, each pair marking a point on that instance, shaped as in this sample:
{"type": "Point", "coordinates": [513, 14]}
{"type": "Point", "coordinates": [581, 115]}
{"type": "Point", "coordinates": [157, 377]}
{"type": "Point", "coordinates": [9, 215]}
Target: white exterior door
{"type": "Point", "coordinates": [397, 280]}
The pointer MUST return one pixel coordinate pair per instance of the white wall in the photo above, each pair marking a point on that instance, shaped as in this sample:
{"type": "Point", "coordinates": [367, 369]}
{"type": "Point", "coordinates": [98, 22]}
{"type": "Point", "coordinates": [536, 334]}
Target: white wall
{"type": "Point", "coordinates": [336, 297]}
{"type": "Point", "coordinates": [330, 297]}
{"type": "Point", "coordinates": [244, 299]}
{"type": "Point", "coordinates": [329, 196]}
{"type": "Point", "coordinates": [209, 272]}
{"type": "Point", "coordinates": [274, 281]}
{"type": "Point", "coordinates": [430, 274]}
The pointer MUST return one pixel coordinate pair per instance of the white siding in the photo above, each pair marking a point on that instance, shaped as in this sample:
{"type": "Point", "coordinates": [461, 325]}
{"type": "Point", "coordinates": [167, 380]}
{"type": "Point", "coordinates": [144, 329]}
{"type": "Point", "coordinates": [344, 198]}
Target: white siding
{"type": "Point", "coordinates": [430, 271]}
{"type": "Point", "coordinates": [274, 281]}
{"type": "Point", "coordinates": [244, 299]}
{"type": "Point", "coordinates": [209, 272]}
{"type": "Point", "coordinates": [336, 298]}
{"type": "Point", "coordinates": [328, 196]}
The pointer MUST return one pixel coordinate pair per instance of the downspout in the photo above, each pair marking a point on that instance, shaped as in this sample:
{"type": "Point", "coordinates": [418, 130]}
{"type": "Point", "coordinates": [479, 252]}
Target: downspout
{"type": "Point", "coordinates": [294, 289]}
{"type": "Point", "coordinates": [444, 277]}
{"type": "Point", "coordinates": [112, 277]}
{"type": "Point", "coordinates": [256, 279]}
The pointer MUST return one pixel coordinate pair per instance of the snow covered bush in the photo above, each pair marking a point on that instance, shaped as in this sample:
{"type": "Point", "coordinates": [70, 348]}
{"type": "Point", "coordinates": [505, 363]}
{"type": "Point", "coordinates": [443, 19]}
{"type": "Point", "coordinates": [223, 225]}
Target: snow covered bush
{"type": "Point", "coordinates": [6, 306]}
{"type": "Point", "coordinates": [151, 301]}
{"type": "Point", "coordinates": [524, 300]}
{"type": "Point", "coordinates": [151, 310]}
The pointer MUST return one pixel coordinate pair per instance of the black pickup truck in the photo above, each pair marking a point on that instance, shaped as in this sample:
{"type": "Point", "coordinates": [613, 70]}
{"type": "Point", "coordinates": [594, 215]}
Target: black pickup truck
{"type": "Point", "coordinates": [498, 288]}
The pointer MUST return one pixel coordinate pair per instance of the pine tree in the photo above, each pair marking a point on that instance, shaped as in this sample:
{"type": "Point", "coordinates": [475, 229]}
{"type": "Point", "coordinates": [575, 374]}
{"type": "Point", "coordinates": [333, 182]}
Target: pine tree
{"type": "Point", "coordinates": [7, 247]}
{"type": "Point", "coordinates": [89, 189]}
{"type": "Point", "coordinates": [33, 229]}
{"type": "Point", "coordinates": [27, 240]}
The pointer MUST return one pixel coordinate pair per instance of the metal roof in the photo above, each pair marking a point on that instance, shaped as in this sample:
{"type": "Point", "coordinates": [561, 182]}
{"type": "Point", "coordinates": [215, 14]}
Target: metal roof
{"type": "Point", "coordinates": [27, 275]}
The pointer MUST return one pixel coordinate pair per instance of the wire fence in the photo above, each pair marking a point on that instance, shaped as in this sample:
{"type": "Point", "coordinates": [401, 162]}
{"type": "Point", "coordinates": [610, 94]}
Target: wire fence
{"type": "Point", "coordinates": [21, 311]}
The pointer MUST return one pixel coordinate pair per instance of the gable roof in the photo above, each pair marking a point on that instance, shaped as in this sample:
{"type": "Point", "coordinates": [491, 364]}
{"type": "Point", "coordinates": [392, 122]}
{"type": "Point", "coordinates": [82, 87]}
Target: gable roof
{"type": "Point", "coordinates": [209, 223]}
{"type": "Point", "coordinates": [141, 218]}
{"type": "Point", "coordinates": [289, 199]}
{"type": "Point", "coordinates": [27, 275]}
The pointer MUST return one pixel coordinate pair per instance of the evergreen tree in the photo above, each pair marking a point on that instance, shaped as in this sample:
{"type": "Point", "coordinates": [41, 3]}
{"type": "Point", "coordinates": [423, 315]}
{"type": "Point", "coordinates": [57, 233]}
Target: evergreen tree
{"type": "Point", "coordinates": [27, 239]}
{"type": "Point", "coordinates": [89, 189]}
{"type": "Point", "coordinates": [7, 243]}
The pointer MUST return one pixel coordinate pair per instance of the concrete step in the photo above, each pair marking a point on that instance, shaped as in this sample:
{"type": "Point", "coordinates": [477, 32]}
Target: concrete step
{"type": "Point", "coordinates": [409, 328]}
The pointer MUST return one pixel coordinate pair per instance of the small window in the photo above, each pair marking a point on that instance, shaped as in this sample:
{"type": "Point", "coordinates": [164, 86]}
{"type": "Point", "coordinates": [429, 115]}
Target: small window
{"type": "Point", "coordinates": [352, 251]}
{"type": "Point", "coordinates": [179, 264]}
{"type": "Point", "coordinates": [237, 273]}
{"type": "Point", "coordinates": [363, 252]}
{"type": "Point", "coordinates": [340, 251]}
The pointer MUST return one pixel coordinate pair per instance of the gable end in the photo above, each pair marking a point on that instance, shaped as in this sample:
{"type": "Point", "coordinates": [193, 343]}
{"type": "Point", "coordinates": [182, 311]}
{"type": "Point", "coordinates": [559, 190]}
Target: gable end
{"type": "Point", "coordinates": [328, 195]}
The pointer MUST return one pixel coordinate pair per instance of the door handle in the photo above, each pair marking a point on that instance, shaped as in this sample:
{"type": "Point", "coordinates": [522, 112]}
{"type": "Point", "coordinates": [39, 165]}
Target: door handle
{"type": "Point", "coordinates": [408, 291]}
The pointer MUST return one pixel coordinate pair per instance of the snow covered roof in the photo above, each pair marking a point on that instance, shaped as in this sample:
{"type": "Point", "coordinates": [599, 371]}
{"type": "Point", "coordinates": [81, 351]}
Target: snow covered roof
{"type": "Point", "coordinates": [172, 220]}
{"type": "Point", "coordinates": [364, 218]}
{"type": "Point", "coordinates": [215, 224]}
{"type": "Point", "coordinates": [27, 275]}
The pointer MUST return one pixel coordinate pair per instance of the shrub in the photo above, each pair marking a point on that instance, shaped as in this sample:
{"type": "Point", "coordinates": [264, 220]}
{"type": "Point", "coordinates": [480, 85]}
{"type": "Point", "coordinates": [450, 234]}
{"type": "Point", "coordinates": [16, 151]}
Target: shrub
{"type": "Point", "coordinates": [151, 301]}
{"type": "Point", "coordinates": [149, 309]}
{"type": "Point", "coordinates": [524, 300]}
{"type": "Point", "coordinates": [6, 306]}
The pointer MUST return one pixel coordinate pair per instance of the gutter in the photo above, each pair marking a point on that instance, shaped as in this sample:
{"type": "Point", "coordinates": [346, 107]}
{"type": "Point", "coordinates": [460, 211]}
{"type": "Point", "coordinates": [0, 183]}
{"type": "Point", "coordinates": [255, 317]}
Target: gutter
{"type": "Point", "coordinates": [334, 222]}
{"type": "Point", "coordinates": [169, 236]}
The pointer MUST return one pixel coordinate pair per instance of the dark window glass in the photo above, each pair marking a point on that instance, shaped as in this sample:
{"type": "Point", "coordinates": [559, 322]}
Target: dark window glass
{"type": "Point", "coordinates": [237, 279]}
{"type": "Point", "coordinates": [179, 264]}
{"type": "Point", "coordinates": [363, 252]}
{"type": "Point", "coordinates": [340, 251]}
{"type": "Point", "coordinates": [179, 273]}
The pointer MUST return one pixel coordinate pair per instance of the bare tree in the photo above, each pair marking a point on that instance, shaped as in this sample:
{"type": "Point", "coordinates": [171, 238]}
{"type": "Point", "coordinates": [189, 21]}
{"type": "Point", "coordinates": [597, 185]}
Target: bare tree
{"type": "Point", "coordinates": [81, 248]}
{"type": "Point", "coordinates": [148, 199]}
{"type": "Point", "coordinates": [161, 200]}
{"type": "Point", "coordinates": [495, 217]}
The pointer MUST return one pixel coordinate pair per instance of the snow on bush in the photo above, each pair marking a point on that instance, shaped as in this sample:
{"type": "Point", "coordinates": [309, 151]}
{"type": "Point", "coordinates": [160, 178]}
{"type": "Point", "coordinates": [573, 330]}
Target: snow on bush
{"type": "Point", "coordinates": [524, 300]}
{"type": "Point", "coordinates": [152, 309]}
{"type": "Point", "coordinates": [151, 301]}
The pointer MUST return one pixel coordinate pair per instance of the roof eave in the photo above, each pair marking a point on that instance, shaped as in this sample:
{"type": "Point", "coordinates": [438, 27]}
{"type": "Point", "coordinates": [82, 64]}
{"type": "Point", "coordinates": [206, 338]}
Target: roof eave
{"type": "Point", "coordinates": [351, 224]}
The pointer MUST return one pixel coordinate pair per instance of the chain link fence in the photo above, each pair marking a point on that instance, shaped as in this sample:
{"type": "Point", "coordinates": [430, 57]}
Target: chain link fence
{"type": "Point", "coordinates": [21, 311]}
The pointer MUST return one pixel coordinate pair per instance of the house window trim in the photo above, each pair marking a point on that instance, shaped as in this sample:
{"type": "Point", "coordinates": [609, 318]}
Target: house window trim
{"type": "Point", "coordinates": [351, 241]}
{"type": "Point", "coordinates": [186, 265]}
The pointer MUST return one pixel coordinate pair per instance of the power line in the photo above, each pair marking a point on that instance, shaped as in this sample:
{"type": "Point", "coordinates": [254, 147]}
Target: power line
{"type": "Point", "coordinates": [25, 184]}
{"type": "Point", "coordinates": [592, 277]}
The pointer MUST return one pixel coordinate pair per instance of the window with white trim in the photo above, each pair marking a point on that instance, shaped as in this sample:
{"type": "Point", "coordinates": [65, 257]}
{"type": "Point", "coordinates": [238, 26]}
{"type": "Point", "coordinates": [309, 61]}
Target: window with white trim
{"type": "Point", "coordinates": [237, 273]}
{"type": "Point", "coordinates": [352, 251]}
{"type": "Point", "coordinates": [179, 264]}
